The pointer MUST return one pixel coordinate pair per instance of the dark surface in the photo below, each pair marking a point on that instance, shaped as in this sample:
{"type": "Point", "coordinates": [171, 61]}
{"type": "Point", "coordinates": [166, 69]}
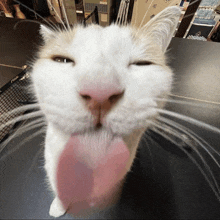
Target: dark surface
{"type": "Point", "coordinates": [188, 17]}
{"type": "Point", "coordinates": [164, 182]}
{"type": "Point", "coordinates": [18, 42]}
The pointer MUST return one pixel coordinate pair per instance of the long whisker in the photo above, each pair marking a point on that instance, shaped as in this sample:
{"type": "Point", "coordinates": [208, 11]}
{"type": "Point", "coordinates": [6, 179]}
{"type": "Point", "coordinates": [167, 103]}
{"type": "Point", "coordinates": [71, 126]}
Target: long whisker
{"type": "Point", "coordinates": [22, 143]}
{"type": "Point", "coordinates": [120, 13]}
{"type": "Point", "coordinates": [34, 161]}
{"type": "Point", "coordinates": [20, 109]}
{"type": "Point", "coordinates": [57, 15]}
{"type": "Point", "coordinates": [22, 21]}
{"type": "Point", "coordinates": [191, 3]}
{"type": "Point", "coordinates": [195, 138]}
{"type": "Point", "coordinates": [127, 7]}
{"type": "Point", "coordinates": [145, 14]}
{"type": "Point", "coordinates": [66, 18]}
{"type": "Point", "coordinates": [206, 105]}
{"type": "Point", "coordinates": [52, 26]}
{"type": "Point", "coordinates": [174, 133]}
{"type": "Point", "coordinates": [190, 120]}
{"type": "Point", "coordinates": [189, 15]}
{"type": "Point", "coordinates": [191, 134]}
{"type": "Point", "coordinates": [21, 118]}
{"type": "Point", "coordinates": [194, 161]}
{"type": "Point", "coordinates": [123, 12]}
{"type": "Point", "coordinates": [15, 67]}
{"type": "Point", "coordinates": [194, 99]}
{"type": "Point", "coordinates": [147, 137]}
{"type": "Point", "coordinates": [136, 13]}
{"type": "Point", "coordinates": [22, 130]}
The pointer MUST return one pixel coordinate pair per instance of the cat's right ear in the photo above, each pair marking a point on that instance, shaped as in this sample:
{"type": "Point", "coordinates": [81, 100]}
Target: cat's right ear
{"type": "Point", "coordinates": [162, 27]}
{"type": "Point", "coordinates": [46, 33]}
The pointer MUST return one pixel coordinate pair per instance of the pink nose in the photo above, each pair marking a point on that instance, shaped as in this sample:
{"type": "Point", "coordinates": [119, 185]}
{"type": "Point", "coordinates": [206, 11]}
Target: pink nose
{"type": "Point", "coordinates": [100, 101]}
{"type": "Point", "coordinates": [101, 95]}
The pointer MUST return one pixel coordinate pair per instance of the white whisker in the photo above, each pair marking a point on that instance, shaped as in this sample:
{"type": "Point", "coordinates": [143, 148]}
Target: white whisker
{"type": "Point", "coordinates": [21, 130]}
{"type": "Point", "coordinates": [66, 18]}
{"type": "Point", "coordinates": [123, 12]}
{"type": "Point", "coordinates": [190, 120]}
{"type": "Point", "coordinates": [196, 139]}
{"type": "Point", "coordinates": [136, 13]}
{"type": "Point", "coordinates": [189, 15]}
{"type": "Point", "coordinates": [64, 26]}
{"type": "Point", "coordinates": [21, 118]}
{"type": "Point", "coordinates": [216, 191]}
{"type": "Point", "coordinates": [19, 109]}
{"type": "Point", "coordinates": [34, 161]}
{"type": "Point", "coordinates": [191, 3]}
{"type": "Point", "coordinates": [145, 138]}
{"type": "Point", "coordinates": [28, 127]}
{"type": "Point", "coordinates": [191, 134]}
{"type": "Point", "coordinates": [22, 143]}
{"type": "Point", "coordinates": [52, 26]}
{"type": "Point", "coordinates": [127, 7]}
{"type": "Point", "coordinates": [119, 16]}
{"type": "Point", "coordinates": [195, 99]}
{"type": "Point", "coordinates": [172, 132]}
{"type": "Point", "coordinates": [175, 133]}
{"type": "Point", "coordinates": [208, 105]}
{"type": "Point", "coordinates": [145, 14]}
{"type": "Point", "coordinates": [21, 21]}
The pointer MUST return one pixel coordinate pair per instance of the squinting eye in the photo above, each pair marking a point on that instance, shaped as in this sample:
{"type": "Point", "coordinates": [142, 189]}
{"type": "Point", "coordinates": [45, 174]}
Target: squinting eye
{"type": "Point", "coordinates": [142, 63]}
{"type": "Point", "coordinates": [60, 59]}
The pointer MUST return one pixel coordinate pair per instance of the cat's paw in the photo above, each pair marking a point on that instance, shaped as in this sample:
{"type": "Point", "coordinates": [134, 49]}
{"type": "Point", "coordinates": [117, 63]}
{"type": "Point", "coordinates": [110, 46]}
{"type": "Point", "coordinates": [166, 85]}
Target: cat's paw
{"type": "Point", "coordinates": [56, 208]}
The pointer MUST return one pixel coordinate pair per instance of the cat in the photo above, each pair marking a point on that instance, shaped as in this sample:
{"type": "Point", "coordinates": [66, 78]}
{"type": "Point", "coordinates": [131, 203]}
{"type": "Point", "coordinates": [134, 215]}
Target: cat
{"type": "Point", "coordinates": [99, 89]}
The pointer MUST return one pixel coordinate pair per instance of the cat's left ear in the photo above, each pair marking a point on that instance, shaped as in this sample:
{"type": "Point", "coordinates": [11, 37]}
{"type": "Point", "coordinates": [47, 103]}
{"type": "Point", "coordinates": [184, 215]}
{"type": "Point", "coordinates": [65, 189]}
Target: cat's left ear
{"type": "Point", "coordinates": [46, 33]}
{"type": "Point", "coordinates": [162, 27]}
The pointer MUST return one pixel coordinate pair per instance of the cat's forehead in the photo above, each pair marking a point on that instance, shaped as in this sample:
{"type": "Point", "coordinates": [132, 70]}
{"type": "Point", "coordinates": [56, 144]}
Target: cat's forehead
{"type": "Point", "coordinates": [110, 34]}
{"type": "Point", "coordinates": [108, 39]}
{"type": "Point", "coordinates": [91, 42]}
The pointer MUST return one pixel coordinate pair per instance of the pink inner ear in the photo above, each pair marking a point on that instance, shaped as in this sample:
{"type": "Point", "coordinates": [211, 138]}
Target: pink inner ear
{"type": "Point", "coordinates": [81, 187]}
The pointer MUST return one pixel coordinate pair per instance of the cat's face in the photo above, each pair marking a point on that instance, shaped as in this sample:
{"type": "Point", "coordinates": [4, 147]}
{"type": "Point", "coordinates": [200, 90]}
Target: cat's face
{"type": "Point", "coordinates": [132, 62]}
{"type": "Point", "coordinates": [100, 58]}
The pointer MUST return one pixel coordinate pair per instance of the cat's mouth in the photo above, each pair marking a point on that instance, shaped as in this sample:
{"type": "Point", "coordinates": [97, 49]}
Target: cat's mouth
{"type": "Point", "coordinates": [90, 170]}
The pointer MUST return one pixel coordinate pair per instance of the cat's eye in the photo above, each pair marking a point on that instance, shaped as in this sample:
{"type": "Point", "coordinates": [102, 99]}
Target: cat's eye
{"type": "Point", "coordinates": [61, 59]}
{"type": "Point", "coordinates": [142, 63]}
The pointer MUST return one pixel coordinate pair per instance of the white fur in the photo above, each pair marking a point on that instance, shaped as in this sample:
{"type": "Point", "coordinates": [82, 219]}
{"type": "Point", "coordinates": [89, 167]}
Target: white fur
{"type": "Point", "coordinates": [101, 55]}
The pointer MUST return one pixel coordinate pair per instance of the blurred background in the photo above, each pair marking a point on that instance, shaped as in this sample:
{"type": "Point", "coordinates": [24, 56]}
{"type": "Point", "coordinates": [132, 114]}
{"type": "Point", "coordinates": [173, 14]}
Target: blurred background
{"type": "Point", "coordinates": [199, 20]}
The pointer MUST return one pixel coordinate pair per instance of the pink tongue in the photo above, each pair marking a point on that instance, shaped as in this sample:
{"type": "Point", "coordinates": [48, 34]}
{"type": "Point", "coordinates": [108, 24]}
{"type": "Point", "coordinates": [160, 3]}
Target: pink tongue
{"type": "Point", "coordinates": [83, 186]}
